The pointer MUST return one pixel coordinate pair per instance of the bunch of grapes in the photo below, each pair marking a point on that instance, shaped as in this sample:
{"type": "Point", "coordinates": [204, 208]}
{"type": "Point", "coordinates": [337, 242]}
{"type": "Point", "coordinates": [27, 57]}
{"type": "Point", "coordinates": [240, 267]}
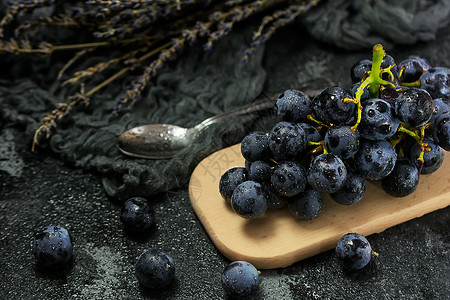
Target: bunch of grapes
{"type": "Point", "coordinates": [391, 125]}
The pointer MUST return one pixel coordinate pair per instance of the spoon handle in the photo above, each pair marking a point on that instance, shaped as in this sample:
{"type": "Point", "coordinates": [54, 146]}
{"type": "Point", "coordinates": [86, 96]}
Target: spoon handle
{"type": "Point", "coordinates": [262, 104]}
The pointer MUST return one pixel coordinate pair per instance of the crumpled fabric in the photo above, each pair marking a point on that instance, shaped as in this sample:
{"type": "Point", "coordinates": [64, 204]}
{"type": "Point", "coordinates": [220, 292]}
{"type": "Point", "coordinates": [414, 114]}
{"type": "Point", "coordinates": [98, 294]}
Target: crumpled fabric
{"type": "Point", "coordinates": [358, 24]}
{"type": "Point", "coordinates": [199, 86]}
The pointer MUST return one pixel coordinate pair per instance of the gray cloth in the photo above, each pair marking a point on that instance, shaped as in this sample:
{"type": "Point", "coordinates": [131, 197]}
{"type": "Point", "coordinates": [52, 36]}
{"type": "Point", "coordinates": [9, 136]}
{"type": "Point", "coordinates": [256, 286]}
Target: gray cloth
{"type": "Point", "coordinates": [357, 24]}
{"type": "Point", "coordinates": [199, 86]}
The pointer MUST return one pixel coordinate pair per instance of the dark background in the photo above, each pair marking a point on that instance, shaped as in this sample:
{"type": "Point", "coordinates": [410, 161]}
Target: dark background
{"type": "Point", "coordinates": [413, 261]}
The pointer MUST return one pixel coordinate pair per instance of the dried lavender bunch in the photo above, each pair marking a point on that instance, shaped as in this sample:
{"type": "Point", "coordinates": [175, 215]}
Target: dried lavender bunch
{"type": "Point", "coordinates": [149, 33]}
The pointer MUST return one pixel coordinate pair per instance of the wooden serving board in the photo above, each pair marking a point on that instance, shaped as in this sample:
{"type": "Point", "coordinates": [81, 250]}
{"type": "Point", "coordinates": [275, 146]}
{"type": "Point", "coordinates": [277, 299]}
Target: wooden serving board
{"type": "Point", "coordinates": [277, 239]}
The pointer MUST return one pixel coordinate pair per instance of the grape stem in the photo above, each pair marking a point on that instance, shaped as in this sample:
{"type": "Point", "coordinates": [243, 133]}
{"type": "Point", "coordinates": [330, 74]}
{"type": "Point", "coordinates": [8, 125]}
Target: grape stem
{"type": "Point", "coordinates": [417, 134]}
{"type": "Point", "coordinates": [373, 81]}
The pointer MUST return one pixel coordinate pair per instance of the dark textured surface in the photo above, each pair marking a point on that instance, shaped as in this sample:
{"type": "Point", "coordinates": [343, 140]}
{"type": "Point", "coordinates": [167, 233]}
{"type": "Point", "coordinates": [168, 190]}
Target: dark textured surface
{"type": "Point", "coordinates": [39, 190]}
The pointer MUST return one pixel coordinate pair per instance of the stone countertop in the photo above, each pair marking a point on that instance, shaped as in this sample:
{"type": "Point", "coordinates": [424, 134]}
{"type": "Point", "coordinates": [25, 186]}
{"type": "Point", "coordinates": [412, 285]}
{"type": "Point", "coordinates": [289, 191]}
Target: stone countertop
{"type": "Point", "coordinates": [413, 260]}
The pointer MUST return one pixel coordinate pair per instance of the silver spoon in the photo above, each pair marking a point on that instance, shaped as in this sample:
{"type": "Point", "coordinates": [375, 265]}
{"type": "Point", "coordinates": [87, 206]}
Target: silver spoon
{"type": "Point", "coordinates": [159, 141]}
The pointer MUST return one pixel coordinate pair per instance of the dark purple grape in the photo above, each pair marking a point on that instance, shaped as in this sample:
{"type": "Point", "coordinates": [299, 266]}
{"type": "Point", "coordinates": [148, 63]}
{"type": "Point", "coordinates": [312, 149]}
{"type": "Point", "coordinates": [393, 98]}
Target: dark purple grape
{"type": "Point", "coordinates": [255, 146]}
{"type": "Point", "coordinates": [311, 132]}
{"type": "Point", "coordinates": [377, 120]}
{"type": "Point", "coordinates": [240, 279]}
{"type": "Point", "coordinates": [353, 251]}
{"type": "Point", "coordinates": [292, 106]}
{"type": "Point", "coordinates": [327, 173]}
{"type": "Point", "coordinates": [274, 199]}
{"type": "Point", "coordinates": [307, 205]}
{"type": "Point", "coordinates": [414, 107]}
{"type": "Point", "coordinates": [441, 131]}
{"type": "Point", "coordinates": [414, 67]}
{"type": "Point", "coordinates": [286, 141]}
{"type": "Point", "coordinates": [330, 108]}
{"type": "Point", "coordinates": [155, 269]}
{"type": "Point", "coordinates": [249, 200]}
{"type": "Point", "coordinates": [437, 82]}
{"type": "Point", "coordinates": [375, 159]}
{"type": "Point", "coordinates": [403, 180]}
{"type": "Point", "coordinates": [52, 246]}
{"type": "Point", "coordinates": [230, 180]}
{"type": "Point", "coordinates": [288, 179]}
{"type": "Point", "coordinates": [433, 159]}
{"type": "Point", "coordinates": [441, 106]}
{"type": "Point", "coordinates": [259, 171]}
{"type": "Point", "coordinates": [358, 70]}
{"type": "Point", "coordinates": [352, 191]}
{"type": "Point", "coordinates": [136, 215]}
{"type": "Point", "coordinates": [390, 95]}
{"type": "Point", "coordinates": [342, 141]}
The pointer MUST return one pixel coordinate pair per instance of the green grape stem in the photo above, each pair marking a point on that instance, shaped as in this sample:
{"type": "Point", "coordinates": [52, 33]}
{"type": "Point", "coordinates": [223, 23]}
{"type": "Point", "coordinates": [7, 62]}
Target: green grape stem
{"type": "Point", "coordinates": [417, 134]}
{"type": "Point", "coordinates": [372, 80]}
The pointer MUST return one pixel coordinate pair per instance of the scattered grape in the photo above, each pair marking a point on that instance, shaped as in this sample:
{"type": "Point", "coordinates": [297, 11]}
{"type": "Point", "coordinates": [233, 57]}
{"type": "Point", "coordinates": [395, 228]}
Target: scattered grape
{"type": "Point", "coordinates": [240, 279]}
{"type": "Point", "coordinates": [155, 269]}
{"type": "Point", "coordinates": [52, 246]}
{"type": "Point", "coordinates": [136, 215]}
{"type": "Point", "coordinates": [353, 250]}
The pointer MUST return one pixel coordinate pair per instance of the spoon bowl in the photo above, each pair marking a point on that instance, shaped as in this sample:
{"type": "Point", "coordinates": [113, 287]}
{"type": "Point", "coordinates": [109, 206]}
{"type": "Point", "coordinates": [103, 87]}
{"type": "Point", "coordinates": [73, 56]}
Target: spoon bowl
{"type": "Point", "coordinates": [154, 141]}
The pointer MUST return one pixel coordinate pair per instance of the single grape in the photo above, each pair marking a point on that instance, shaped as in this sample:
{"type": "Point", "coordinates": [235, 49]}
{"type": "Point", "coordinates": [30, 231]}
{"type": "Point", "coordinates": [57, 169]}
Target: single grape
{"type": "Point", "coordinates": [437, 82]}
{"type": "Point", "coordinates": [230, 180]}
{"type": "Point", "coordinates": [413, 67]}
{"type": "Point", "coordinates": [155, 269]}
{"type": "Point", "coordinates": [342, 141]}
{"type": "Point", "coordinates": [377, 120]}
{"type": "Point", "coordinates": [307, 205]}
{"type": "Point", "coordinates": [329, 107]}
{"type": "Point", "coordinates": [260, 171]}
{"type": "Point", "coordinates": [52, 246]}
{"type": "Point", "coordinates": [414, 107]}
{"type": "Point", "coordinates": [358, 70]}
{"type": "Point", "coordinates": [292, 106]}
{"type": "Point", "coordinates": [255, 146]}
{"type": "Point", "coordinates": [433, 159]}
{"type": "Point", "coordinates": [136, 215]}
{"type": "Point", "coordinates": [286, 141]}
{"type": "Point", "coordinates": [327, 173]}
{"type": "Point", "coordinates": [441, 131]}
{"type": "Point", "coordinates": [288, 178]}
{"type": "Point", "coordinates": [352, 191]}
{"type": "Point", "coordinates": [390, 95]}
{"type": "Point", "coordinates": [403, 179]}
{"type": "Point", "coordinates": [375, 159]}
{"type": "Point", "coordinates": [353, 251]}
{"type": "Point", "coordinates": [240, 279]}
{"type": "Point", "coordinates": [249, 200]}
